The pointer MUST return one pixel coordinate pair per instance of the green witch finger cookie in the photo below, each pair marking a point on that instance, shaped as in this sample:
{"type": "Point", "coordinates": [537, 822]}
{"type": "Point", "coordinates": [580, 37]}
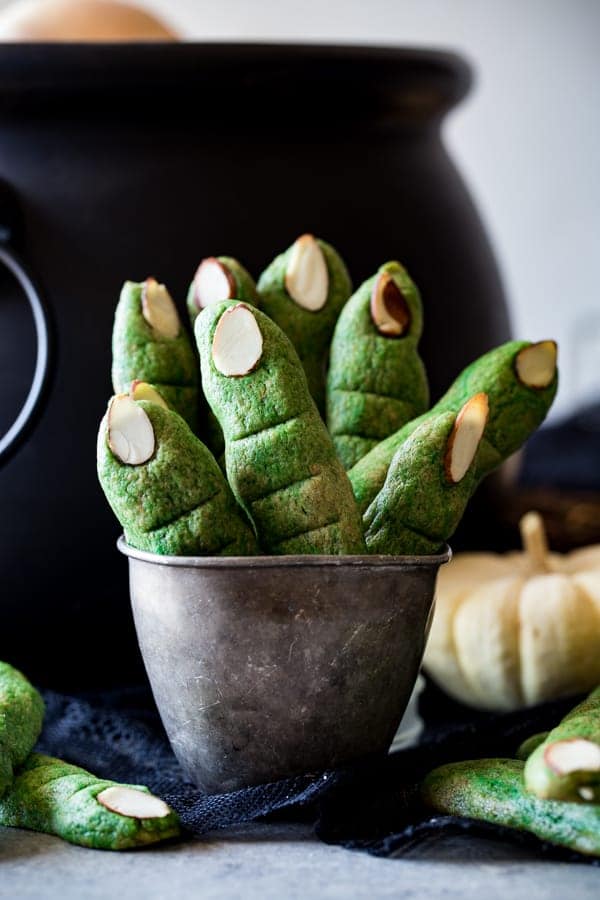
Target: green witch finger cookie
{"type": "Point", "coordinates": [429, 483]}
{"type": "Point", "coordinates": [492, 790]}
{"type": "Point", "coordinates": [280, 461]}
{"type": "Point", "coordinates": [566, 765]}
{"type": "Point", "coordinates": [55, 797]}
{"type": "Point", "coordinates": [149, 344]}
{"type": "Point", "coordinates": [376, 380]}
{"type": "Point", "coordinates": [165, 486]}
{"type": "Point", "coordinates": [303, 291]}
{"type": "Point", "coordinates": [21, 717]}
{"type": "Point", "coordinates": [520, 379]}
{"type": "Point", "coordinates": [220, 278]}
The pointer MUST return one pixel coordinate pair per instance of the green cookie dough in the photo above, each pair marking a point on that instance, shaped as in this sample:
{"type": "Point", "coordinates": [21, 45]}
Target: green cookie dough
{"type": "Point", "coordinates": [376, 380]}
{"type": "Point", "coordinates": [309, 331]}
{"type": "Point", "coordinates": [141, 353]}
{"type": "Point", "coordinates": [178, 502]}
{"type": "Point", "coordinates": [280, 461]}
{"type": "Point", "coordinates": [240, 281]}
{"type": "Point", "coordinates": [21, 717]}
{"type": "Point", "coordinates": [515, 412]}
{"type": "Point", "coordinates": [579, 730]}
{"type": "Point", "coordinates": [55, 797]}
{"type": "Point", "coordinates": [530, 744]}
{"type": "Point", "coordinates": [235, 283]}
{"type": "Point", "coordinates": [492, 790]}
{"type": "Point", "coordinates": [419, 507]}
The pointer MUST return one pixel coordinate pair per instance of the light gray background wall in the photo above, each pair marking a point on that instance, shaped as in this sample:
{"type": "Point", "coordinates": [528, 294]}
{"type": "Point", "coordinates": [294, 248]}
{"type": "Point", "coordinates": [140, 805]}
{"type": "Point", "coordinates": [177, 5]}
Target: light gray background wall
{"type": "Point", "coordinates": [527, 140]}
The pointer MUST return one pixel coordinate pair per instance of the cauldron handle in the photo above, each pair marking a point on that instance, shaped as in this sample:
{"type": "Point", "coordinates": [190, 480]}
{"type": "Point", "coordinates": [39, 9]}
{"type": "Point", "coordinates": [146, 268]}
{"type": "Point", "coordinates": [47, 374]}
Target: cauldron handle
{"type": "Point", "coordinates": [31, 409]}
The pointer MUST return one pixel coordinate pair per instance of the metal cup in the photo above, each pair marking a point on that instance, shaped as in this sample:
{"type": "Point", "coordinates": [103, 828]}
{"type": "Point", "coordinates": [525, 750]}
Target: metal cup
{"type": "Point", "coordinates": [269, 666]}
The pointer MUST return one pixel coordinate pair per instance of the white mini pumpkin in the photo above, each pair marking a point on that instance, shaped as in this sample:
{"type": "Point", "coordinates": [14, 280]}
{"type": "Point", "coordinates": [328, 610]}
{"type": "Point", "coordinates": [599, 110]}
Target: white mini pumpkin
{"type": "Point", "coordinates": [514, 630]}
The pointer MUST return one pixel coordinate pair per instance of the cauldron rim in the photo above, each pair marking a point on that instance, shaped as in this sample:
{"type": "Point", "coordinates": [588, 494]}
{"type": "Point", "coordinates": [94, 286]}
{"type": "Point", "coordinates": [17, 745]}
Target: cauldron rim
{"type": "Point", "coordinates": [393, 77]}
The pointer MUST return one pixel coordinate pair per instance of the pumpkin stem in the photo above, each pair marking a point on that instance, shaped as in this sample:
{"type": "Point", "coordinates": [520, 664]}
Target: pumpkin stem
{"type": "Point", "coordinates": [535, 543]}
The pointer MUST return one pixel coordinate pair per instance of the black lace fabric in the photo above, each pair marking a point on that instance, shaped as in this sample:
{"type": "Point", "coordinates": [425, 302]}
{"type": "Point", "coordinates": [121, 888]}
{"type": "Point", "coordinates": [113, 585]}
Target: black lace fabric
{"type": "Point", "coordinates": [372, 805]}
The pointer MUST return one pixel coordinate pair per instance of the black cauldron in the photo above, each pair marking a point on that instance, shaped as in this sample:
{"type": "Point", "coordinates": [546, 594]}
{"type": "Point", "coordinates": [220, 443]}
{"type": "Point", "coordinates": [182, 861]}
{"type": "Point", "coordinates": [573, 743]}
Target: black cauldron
{"type": "Point", "coordinates": [121, 161]}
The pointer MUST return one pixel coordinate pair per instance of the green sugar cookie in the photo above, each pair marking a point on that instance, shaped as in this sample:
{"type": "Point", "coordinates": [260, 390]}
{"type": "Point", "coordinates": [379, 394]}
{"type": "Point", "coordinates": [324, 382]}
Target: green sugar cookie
{"type": "Point", "coordinates": [566, 764]}
{"type": "Point", "coordinates": [21, 717]}
{"type": "Point", "coordinates": [280, 461]}
{"type": "Point", "coordinates": [492, 790]}
{"type": "Point", "coordinates": [303, 291]}
{"type": "Point", "coordinates": [220, 278]}
{"type": "Point", "coordinates": [164, 485]}
{"type": "Point", "coordinates": [520, 379]}
{"type": "Point", "coordinates": [376, 380]}
{"type": "Point", "coordinates": [150, 344]}
{"type": "Point", "coordinates": [55, 797]}
{"type": "Point", "coordinates": [429, 483]}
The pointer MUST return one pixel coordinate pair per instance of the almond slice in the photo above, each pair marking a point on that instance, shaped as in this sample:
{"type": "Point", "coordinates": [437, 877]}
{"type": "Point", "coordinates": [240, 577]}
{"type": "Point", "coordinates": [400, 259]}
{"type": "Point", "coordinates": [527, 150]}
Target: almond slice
{"type": "Point", "coordinates": [141, 390]}
{"type": "Point", "coordinates": [237, 343]}
{"type": "Point", "coordinates": [159, 310]}
{"type": "Point", "coordinates": [213, 282]}
{"type": "Point", "coordinates": [306, 277]}
{"type": "Point", "coordinates": [126, 801]}
{"type": "Point", "coordinates": [465, 437]}
{"type": "Point", "coordinates": [389, 310]}
{"type": "Point", "coordinates": [573, 755]}
{"type": "Point", "coordinates": [130, 432]}
{"type": "Point", "coordinates": [536, 365]}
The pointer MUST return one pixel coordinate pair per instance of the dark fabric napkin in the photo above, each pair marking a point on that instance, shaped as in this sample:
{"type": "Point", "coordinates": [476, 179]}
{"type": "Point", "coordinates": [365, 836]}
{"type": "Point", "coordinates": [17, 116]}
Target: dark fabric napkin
{"type": "Point", "coordinates": [372, 805]}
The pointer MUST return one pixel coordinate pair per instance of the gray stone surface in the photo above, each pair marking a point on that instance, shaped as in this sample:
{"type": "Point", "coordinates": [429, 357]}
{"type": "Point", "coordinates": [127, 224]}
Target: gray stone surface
{"type": "Point", "coordinates": [283, 862]}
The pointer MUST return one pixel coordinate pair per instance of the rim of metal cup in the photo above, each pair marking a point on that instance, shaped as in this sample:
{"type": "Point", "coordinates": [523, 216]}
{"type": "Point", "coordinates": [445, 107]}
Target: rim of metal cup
{"type": "Point", "coordinates": [270, 562]}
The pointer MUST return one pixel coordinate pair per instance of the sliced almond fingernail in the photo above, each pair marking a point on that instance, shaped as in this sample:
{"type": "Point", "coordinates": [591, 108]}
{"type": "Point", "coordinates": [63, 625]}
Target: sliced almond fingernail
{"type": "Point", "coordinates": [573, 755]}
{"type": "Point", "coordinates": [213, 282]}
{"type": "Point", "coordinates": [307, 277]}
{"type": "Point", "coordinates": [130, 432]}
{"type": "Point", "coordinates": [465, 437]}
{"type": "Point", "coordinates": [141, 390]}
{"type": "Point", "coordinates": [158, 309]}
{"type": "Point", "coordinates": [536, 365]}
{"type": "Point", "coordinates": [237, 343]}
{"type": "Point", "coordinates": [126, 801]}
{"type": "Point", "coordinates": [389, 310]}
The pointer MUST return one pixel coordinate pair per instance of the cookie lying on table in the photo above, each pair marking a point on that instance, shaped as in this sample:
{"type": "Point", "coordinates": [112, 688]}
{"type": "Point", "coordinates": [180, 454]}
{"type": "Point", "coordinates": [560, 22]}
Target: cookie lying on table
{"type": "Point", "coordinates": [280, 460]}
{"type": "Point", "coordinates": [493, 790]}
{"type": "Point", "coordinates": [21, 717]}
{"type": "Point", "coordinates": [55, 797]}
{"type": "Point", "coordinates": [565, 765]}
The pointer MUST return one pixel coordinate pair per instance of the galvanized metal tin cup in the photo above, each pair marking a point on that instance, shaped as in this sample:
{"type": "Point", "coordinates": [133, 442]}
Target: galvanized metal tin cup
{"type": "Point", "coordinates": [269, 666]}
